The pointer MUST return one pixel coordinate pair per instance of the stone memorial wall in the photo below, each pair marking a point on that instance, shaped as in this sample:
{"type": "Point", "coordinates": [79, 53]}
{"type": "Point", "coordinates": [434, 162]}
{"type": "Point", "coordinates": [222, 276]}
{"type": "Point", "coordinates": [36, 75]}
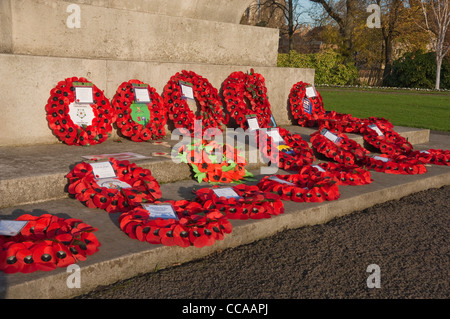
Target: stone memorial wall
{"type": "Point", "coordinates": [109, 42]}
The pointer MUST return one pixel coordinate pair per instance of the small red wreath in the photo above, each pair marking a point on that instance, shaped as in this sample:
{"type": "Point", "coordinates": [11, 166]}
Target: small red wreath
{"type": "Point", "coordinates": [432, 156]}
{"type": "Point", "coordinates": [341, 174]}
{"type": "Point", "coordinates": [153, 127]}
{"type": "Point", "coordinates": [239, 87]}
{"type": "Point", "coordinates": [143, 187]}
{"type": "Point", "coordinates": [345, 151]}
{"type": "Point", "coordinates": [62, 98]}
{"type": "Point", "coordinates": [400, 164]}
{"type": "Point", "coordinates": [195, 225]}
{"type": "Point", "coordinates": [295, 154]}
{"type": "Point", "coordinates": [251, 204]}
{"type": "Point", "coordinates": [296, 188]}
{"type": "Point", "coordinates": [204, 93]}
{"type": "Point", "coordinates": [45, 243]}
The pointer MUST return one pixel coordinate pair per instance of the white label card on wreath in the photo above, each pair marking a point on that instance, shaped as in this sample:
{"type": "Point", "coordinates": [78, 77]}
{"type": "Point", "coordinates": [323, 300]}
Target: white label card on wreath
{"type": "Point", "coordinates": [279, 180]}
{"type": "Point", "coordinates": [84, 94]}
{"type": "Point", "coordinates": [376, 129]}
{"type": "Point", "coordinates": [142, 95]}
{"type": "Point", "coordinates": [332, 137]}
{"type": "Point", "coordinates": [81, 114]}
{"type": "Point", "coordinates": [381, 158]}
{"type": "Point", "coordinates": [103, 170]}
{"type": "Point", "coordinates": [113, 183]}
{"type": "Point", "coordinates": [227, 192]}
{"type": "Point", "coordinates": [275, 135]}
{"type": "Point", "coordinates": [253, 124]}
{"type": "Point", "coordinates": [311, 92]}
{"type": "Point", "coordinates": [11, 227]}
{"type": "Point", "coordinates": [187, 90]}
{"type": "Point", "coordinates": [164, 211]}
{"type": "Point", "coordinates": [319, 168]}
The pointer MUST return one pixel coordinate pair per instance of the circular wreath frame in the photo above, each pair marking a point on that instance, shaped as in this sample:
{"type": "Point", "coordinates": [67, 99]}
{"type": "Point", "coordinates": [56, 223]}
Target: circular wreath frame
{"type": "Point", "coordinates": [238, 87]}
{"type": "Point", "coordinates": [144, 187]}
{"type": "Point", "coordinates": [45, 243]}
{"type": "Point", "coordinates": [196, 226]}
{"type": "Point", "coordinates": [206, 95]}
{"type": "Point", "coordinates": [252, 204]}
{"type": "Point", "coordinates": [155, 127]}
{"type": "Point", "coordinates": [65, 129]}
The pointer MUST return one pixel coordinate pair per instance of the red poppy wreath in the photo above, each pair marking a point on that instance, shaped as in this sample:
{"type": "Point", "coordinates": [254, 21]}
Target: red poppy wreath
{"type": "Point", "coordinates": [306, 110]}
{"type": "Point", "coordinates": [296, 188]}
{"type": "Point", "coordinates": [241, 202]}
{"type": "Point", "coordinates": [140, 110]}
{"type": "Point", "coordinates": [238, 88]}
{"type": "Point", "coordinates": [131, 186]}
{"type": "Point", "coordinates": [211, 113]}
{"type": "Point", "coordinates": [194, 225]}
{"type": "Point", "coordinates": [78, 113]}
{"type": "Point", "coordinates": [293, 151]}
{"type": "Point", "coordinates": [341, 174]}
{"type": "Point", "coordinates": [45, 243]}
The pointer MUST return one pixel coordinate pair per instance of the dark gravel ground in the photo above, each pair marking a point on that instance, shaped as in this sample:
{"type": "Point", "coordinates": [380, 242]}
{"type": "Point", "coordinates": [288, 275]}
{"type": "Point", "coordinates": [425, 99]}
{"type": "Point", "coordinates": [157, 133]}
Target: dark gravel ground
{"type": "Point", "coordinates": [406, 238]}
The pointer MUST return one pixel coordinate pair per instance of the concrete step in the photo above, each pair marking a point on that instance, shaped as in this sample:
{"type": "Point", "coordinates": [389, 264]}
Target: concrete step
{"type": "Point", "coordinates": [121, 257]}
{"type": "Point", "coordinates": [32, 174]}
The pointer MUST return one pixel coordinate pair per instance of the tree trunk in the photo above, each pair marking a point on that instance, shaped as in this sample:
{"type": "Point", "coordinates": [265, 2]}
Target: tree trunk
{"type": "Point", "coordinates": [291, 25]}
{"type": "Point", "coordinates": [438, 71]}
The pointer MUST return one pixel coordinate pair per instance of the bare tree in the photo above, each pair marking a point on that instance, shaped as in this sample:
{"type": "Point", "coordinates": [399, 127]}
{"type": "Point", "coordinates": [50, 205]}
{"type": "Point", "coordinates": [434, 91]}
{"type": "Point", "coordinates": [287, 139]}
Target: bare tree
{"type": "Point", "coordinates": [291, 10]}
{"type": "Point", "coordinates": [437, 20]}
{"type": "Point", "coordinates": [344, 13]}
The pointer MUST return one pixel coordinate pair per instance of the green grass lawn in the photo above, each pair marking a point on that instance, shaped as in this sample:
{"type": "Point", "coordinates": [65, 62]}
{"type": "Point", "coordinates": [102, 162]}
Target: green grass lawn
{"type": "Point", "coordinates": [414, 109]}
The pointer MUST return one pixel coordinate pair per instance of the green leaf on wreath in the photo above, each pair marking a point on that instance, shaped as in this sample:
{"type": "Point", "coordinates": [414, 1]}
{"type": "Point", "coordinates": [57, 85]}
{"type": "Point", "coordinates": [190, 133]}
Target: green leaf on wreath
{"type": "Point", "coordinates": [200, 177]}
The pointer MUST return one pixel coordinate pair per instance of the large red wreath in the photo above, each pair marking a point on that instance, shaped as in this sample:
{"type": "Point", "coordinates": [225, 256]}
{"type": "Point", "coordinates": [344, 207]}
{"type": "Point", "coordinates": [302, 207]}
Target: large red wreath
{"type": "Point", "coordinates": [61, 98]}
{"type": "Point", "coordinates": [306, 111]}
{"type": "Point", "coordinates": [154, 127]}
{"type": "Point", "coordinates": [252, 203]}
{"type": "Point", "coordinates": [195, 225]}
{"type": "Point", "coordinates": [45, 243]}
{"type": "Point", "coordinates": [239, 87]}
{"type": "Point", "coordinates": [292, 154]}
{"type": "Point", "coordinates": [144, 188]}
{"type": "Point", "coordinates": [298, 189]}
{"type": "Point", "coordinates": [205, 94]}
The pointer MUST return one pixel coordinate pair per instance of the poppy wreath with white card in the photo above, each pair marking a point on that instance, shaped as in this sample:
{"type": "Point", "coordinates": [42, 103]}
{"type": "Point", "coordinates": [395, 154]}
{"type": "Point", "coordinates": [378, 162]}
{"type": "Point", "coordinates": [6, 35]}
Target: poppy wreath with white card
{"type": "Point", "coordinates": [241, 201]}
{"type": "Point", "coordinates": [240, 87]}
{"type": "Point", "coordinates": [400, 164]}
{"type": "Point", "coordinates": [306, 107]}
{"type": "Point", "coordinates": [338, 147]}
{"type": "Point", "coordinates": [45, 243]}
{"type": "Point", "coordinates": [295, 188]}
{"type": "Point", "coordinates": [190, 225]}
{"type": "Point", "coordinates": [293, 151]}
{"type": "Point", "coordinates": [189, 85]}
{"type": "Point", "coordinates": [121, 186]}
{"type": "Point", "coordinates": [78, 112]}
{"type": "Point", "coordinates": [141, 114]}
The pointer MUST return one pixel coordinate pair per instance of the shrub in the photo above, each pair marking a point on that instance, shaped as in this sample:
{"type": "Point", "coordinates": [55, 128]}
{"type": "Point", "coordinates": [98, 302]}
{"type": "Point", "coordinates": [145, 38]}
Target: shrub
{"type": "Point", "coordinates": [418, 70]}
{"type": "Point", "coordinates": [329, 65]}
